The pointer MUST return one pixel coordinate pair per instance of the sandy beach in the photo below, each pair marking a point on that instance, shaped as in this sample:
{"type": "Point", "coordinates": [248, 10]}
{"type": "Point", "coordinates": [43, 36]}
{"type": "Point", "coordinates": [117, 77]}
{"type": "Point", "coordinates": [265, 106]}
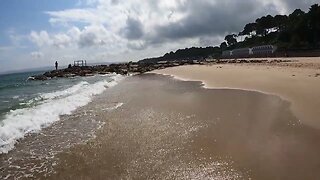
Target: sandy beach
{"type": "Point", "coordinates": [172, 129]}
{"type": "Point", "coordinates": [297, 82]}
{"type": "Point", "coordinates": [160, 90]}
{"type": "Point", "coordinates": [153, 126]}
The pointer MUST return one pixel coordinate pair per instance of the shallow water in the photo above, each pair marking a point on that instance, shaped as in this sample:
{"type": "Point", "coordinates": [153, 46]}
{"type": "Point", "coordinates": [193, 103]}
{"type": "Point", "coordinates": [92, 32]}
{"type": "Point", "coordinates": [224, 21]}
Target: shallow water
{"type": "Point", "coordinates": [35, 155]}
{"type": "Point", "coordinates": [52, 119]}
{"type": "Point", "coordinates": [29, 106]}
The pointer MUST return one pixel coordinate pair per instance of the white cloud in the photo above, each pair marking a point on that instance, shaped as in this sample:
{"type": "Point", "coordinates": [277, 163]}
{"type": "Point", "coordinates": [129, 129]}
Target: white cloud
{"type": "Point", "coordinates": [122, 29]}
{"type": "Point", "coordinates": [109, 23]}
{"type": "Point", "coordinates": [40, 39]}
{"type": "Point", "coordinates": [61, 40]}
{"type": "Point", "coordinates": [136, 45]}
{"type": "Point", "coordinates": [36, 55]}
{"type": "Point", "coordinates": [89, 36]}
{"type": "Point", "coordinates": [74, 15]}
{"type": "Point", "coordinates": [125, 30]}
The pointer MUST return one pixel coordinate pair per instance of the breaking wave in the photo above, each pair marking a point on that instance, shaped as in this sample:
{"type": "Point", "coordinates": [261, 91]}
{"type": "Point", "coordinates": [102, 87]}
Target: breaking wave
{"type": "Point", "coordinates": [20, 122]}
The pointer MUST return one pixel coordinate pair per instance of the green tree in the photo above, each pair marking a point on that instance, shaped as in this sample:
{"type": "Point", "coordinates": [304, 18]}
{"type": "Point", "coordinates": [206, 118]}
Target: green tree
{"type": "Point", "coordinates": [280, 22]}
{"type": "Point", "coordinates": [314, 25]}
{"type": "Point", "coordinates": [231, 39]}
{"type": "Point", "coordinates": [296, 13]}
{"type": "Point", "coordinates": [249, 28]}
{"type": "Point", "coordinates": [263, 24]}
{"type": "Point", "coordinates": [223, 46]}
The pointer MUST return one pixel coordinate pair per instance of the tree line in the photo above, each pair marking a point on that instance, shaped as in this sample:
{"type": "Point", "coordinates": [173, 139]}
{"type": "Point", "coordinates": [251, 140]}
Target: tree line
{"type": "Point", "coordinates": [298, 30]}
{"type": "Point", "coordinates": [185, 54]}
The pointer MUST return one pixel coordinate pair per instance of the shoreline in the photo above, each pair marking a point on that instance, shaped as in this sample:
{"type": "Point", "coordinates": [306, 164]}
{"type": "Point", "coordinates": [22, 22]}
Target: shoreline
{"type": "Point", "coordinates": [291, 81]}
{"type": "Point", "coordinates": [171, 129]}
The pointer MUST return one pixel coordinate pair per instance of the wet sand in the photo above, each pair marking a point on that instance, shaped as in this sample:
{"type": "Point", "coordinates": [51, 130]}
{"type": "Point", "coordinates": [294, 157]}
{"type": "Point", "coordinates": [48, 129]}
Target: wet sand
{"type": "Point", "coordinates": [297, 82]}
{"type": "Point", "coordinates": [171, 129]}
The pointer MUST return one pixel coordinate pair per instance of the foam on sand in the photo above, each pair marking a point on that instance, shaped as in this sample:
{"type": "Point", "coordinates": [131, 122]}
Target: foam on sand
{"type": "Point", "coordinates": [299, 86]}
{"type": "Point", "coordinates": [113, 107]}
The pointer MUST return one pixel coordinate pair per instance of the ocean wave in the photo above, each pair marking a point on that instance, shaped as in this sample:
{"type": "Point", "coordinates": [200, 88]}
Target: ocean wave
{"type": "Point", "coordinates": [21, 122]}
{"type": "Point", "coordinates": [9, 86]}
{"type": "Point", "coordinates": [66, 92]}
{"type": "Point", "coordinates": [15, 97]}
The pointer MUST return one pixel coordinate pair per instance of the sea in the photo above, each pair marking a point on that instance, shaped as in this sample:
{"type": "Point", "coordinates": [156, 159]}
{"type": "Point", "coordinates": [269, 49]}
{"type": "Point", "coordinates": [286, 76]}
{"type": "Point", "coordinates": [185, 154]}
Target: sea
{"type": "Point", "coordinates": [27, 107]}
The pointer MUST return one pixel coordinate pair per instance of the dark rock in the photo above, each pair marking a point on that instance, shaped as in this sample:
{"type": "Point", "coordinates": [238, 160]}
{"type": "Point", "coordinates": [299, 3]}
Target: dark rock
{"type": "Point", "coordinates": [69, 75]}
{"type": "Point", "coordinates": [39, 77]}
{"type": "Point", "coordinates": [121, 68]}
{"type": "Point", "coordinates": [104, 73]}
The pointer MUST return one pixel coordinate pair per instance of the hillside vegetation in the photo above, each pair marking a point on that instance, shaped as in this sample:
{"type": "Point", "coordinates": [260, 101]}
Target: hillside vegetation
{"type": "Point", "coordinates": [297, 31]}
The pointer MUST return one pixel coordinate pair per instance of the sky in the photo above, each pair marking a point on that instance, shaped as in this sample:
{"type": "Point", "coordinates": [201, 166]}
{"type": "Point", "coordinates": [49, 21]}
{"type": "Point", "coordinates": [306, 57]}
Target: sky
{"type": "Point", "coordinates": [36, 33]}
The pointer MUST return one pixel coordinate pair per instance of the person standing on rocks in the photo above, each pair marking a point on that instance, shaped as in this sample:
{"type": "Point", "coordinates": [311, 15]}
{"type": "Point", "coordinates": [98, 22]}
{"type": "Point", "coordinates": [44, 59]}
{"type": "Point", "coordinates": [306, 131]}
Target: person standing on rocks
{"type": "Point", "coordinates": [56, 64]}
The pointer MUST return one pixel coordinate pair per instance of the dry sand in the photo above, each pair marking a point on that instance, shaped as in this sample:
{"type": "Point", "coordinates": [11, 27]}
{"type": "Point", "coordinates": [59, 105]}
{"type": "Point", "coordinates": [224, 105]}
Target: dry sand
{"type": "Point", "coordinates": [297, 82]}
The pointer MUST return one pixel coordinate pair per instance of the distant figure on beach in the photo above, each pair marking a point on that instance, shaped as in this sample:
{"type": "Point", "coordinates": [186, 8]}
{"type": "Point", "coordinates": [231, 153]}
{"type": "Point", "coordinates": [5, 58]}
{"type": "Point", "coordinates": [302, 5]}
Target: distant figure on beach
{"type": "Point", "coordinates": [56, 64]}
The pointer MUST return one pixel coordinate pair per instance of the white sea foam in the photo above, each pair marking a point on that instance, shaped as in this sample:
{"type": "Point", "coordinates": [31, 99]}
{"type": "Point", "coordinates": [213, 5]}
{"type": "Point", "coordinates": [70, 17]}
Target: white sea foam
{"type": "Point", "coordinates": [20, 122]}
{"type": "Point", "coordinates": [15, 97]}
{"type": "Point", "coordinates": [66, 92]}
{"type": "Point", "coordinates": [113, 107]}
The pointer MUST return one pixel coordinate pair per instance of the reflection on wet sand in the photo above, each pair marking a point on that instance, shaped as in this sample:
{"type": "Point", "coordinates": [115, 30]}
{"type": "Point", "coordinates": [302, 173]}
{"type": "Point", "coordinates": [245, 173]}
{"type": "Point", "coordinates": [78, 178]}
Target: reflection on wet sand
{"type": "Point", "coordinates": [170, 129]}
